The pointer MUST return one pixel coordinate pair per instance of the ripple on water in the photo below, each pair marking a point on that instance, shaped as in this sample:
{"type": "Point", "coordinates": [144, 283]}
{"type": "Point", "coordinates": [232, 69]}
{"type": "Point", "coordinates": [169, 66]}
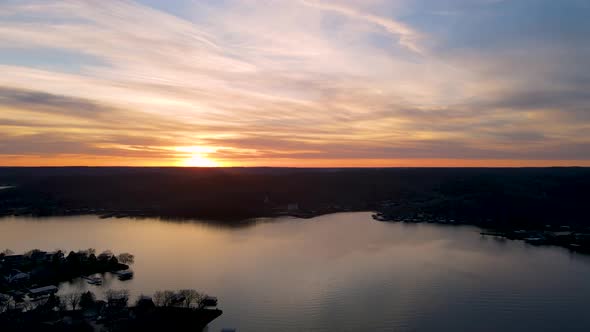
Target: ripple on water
{"type": "Point", "coordinates": [342, 272]}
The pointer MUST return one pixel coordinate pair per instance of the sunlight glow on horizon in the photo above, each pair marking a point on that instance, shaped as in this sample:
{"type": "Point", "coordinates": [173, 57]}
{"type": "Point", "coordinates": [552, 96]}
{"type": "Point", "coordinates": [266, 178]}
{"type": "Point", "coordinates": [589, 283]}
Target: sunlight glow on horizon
{"type": "Point", "coordinates": [200, 161]}
{"type": "Point", "coordinates": [196, 156]}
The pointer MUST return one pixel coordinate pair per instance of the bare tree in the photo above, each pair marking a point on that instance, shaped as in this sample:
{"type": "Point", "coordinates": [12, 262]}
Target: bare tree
{"type": "Point", "coordinates": [190, 296]}
{"type": "Point", "coordinates": [159, 298]}
{"type": "Point", "coordinates": [6, 302]}
{"type": "Point", "coordinates": [164, 298]}
{"type": "Point", "coordinates": [120, 296]}
{"type": "Point", "coordinates": [201, 302]}
{"type": "Point", "coordinates": [61, 304]}
{"type": "Point", "coordinates": [72, 299]}
{"type": "Point", "coordinates": [28, 305]}
{"type": "Point", "coordinates": [126, 258]}
{"type": "Point", "coordinates": [7, 252]}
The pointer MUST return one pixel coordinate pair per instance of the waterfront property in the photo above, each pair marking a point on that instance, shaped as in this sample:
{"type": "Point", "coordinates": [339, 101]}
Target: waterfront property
{"type": "Point", "coordinates": [209, 301]}
{"type": "Point", "coordinates": [124, 275]}
{"type": "Point", "coordinates": [42, 291]}
{"type": "Point", "coordinates": [37, 267]}
{"type": "Point", "coordinates": [83, 312]}
{"type": "Point", "coordinates": [576, 239]}
{"type": "Point", "coordinates": [26, 306]}
{"type": "Point", "coordinates": [93, 280]}
{"type": "Point", "coordinates": [17, 277]}
{"type": "Point", "coordinates": [12, 260]}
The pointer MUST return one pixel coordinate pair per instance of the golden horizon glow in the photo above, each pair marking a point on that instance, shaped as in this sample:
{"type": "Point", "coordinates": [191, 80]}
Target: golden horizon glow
{"type": "Point", "coordinates": [84, 161]}
{"type": "Point", "coordinates": [196, 156]}
{"type": "Point", "coordinates": [197, 160]}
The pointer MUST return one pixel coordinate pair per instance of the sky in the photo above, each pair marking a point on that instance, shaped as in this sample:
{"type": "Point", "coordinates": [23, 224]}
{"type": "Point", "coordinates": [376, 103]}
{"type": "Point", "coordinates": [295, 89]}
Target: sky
{"type": "Point", "coordinates": [303, 83]}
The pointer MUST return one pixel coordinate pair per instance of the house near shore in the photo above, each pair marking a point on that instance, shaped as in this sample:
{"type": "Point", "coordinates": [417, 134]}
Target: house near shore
{"type": "Point", "coordinates": [124, 275]}
{"type": "Point", "coordinates": [13, 260]}
{"type": "Point", "coordinates": [209, 301]}
{"type": "Point", "coordinates": [42, 291]}
{"type": "Point", "coordinates": [5, 298]}
{"type": "Point", "coordinates": [17, 276]}
{"type": "Point", "coordinates": [41, 256]}
{"type": "Point", "coordinates": [582, 237]}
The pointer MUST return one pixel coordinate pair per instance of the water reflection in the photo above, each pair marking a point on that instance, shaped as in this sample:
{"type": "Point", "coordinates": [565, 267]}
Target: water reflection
{"type": "Point", "coordinates": [222, 224]}
{"type": "Point", "coordinates": [341, 272]}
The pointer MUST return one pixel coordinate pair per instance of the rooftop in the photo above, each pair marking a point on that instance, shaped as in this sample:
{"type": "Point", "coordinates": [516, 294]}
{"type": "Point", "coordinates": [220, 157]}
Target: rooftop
{"type": "Point", "coordinates": [43, 289]}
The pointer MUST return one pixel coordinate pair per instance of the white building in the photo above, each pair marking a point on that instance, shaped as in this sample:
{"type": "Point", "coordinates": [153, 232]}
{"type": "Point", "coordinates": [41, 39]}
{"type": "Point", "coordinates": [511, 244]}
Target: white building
{"type": "Point", "coordinates": [47, 290]}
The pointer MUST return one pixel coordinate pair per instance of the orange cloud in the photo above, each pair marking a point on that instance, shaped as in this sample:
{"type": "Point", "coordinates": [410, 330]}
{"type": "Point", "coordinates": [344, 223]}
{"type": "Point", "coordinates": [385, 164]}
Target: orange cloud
{"type": "Point", "coordinates": [293, 83]}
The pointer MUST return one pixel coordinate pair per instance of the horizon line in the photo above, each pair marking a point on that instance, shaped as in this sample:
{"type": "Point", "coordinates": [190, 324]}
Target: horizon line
{"type": "Point", "coordinates": [285, 167]}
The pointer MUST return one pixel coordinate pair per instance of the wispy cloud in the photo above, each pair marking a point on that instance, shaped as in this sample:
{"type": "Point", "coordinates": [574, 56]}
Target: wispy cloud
{"type": "Point", "coordinates": [408, 37]}
{"type": "Point", "coordinates": [275, 82]}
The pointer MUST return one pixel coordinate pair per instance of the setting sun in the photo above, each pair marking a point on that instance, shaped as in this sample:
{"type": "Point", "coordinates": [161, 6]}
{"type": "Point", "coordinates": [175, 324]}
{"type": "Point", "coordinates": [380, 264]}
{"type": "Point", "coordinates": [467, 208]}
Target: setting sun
{"type": "Point", "coordinates": [196, 156]}
{"type": "Point", "coordinates": [200, 161]}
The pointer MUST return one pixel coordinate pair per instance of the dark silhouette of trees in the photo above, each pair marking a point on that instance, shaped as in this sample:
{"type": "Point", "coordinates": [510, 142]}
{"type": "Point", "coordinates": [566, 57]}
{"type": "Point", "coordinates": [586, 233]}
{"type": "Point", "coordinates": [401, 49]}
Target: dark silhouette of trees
{"type": "Point", "coordinates": [191, 297]}
{"type": "Point", "coordinates": [185, 298]}
{"type": "Point", "coordinates": [30, 253]}
{"type": "Point", "coordinates": [117, 297]}
{"type": "Point", "coordinates": [105, 256]}
{"type": "Point", "coordinates": [72, 299]}
{"type": "Point", "coordinates": [175, 313]}
{"type": "Point", "coordinates": [6, 303]}
{"type": "Point", "coordinates": [531, 195]}
{"type": "Point", "coordinates": [51, 268]}
{"type": "Point", "coordinates": [73, 260]}
{"type": "Point", "coordinates": [113, 261]}
{"type": "Point", "coordinates": [87, 300]}
{"type": "Point", "coordinates": [52, 302]}
{"type": "Point", "coordinates": [144, 303]}
{"type": "Point", "coordinates": [164, 298]}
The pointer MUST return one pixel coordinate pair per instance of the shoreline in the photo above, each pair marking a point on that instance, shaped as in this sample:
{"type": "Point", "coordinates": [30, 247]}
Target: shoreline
{"type": "Point", "coordinates": [574, 238]}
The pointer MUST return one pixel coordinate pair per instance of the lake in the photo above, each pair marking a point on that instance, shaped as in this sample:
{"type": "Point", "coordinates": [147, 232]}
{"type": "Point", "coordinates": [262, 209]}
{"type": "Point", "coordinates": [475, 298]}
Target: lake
{"type": "Point", "coordinates": [339, 272]}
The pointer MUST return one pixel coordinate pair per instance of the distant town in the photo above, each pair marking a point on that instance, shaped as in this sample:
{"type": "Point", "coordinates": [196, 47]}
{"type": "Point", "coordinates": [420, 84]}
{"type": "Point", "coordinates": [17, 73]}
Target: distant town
{"type": "Point", "coordinates": [575, 238]}
{"type": "Point", "coordinates": [496, 198]}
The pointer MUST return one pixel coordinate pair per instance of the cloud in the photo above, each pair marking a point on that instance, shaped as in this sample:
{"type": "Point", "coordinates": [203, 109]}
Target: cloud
{"type": "Point", "coordinates": [408, 37]}
{"type": "Point", "coordinates": [46, 102]}
{"type": "Point", "coordinates": [289, 80]}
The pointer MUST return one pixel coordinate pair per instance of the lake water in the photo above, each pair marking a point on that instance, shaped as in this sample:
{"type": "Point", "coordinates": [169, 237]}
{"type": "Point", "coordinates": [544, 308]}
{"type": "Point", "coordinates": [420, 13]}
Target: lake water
{"type": "Point", "coordinates": [339, 272]}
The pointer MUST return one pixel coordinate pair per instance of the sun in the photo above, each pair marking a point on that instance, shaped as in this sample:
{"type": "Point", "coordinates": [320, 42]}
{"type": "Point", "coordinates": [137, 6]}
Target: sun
{"type": "Point", "coordinates": [196, 156]}
{"type": "Point", "coordinates": [198, 160]}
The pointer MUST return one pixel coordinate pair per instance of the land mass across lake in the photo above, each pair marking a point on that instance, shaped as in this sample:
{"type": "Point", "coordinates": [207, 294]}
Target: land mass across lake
{"type": "Point", "coordinates": [485, 196]}
{"type": "Point", "coordinates": [520, 203]}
